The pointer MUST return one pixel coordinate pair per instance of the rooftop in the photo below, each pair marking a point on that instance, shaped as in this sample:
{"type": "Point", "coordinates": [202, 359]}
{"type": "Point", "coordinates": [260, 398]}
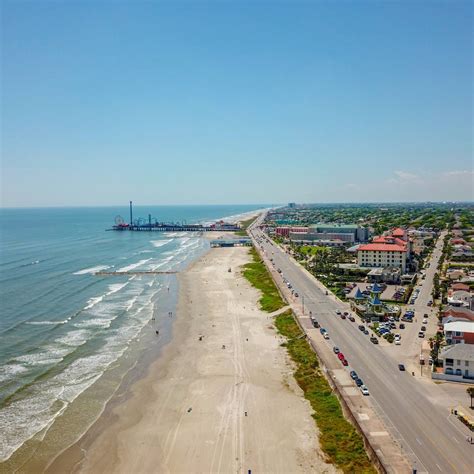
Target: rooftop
{"type": "Point", "coordinates": [382, 248]}
{"type": "Point", "coordinates": [458, 351]}
{"type": "Point", "coordinates": [460, 326]}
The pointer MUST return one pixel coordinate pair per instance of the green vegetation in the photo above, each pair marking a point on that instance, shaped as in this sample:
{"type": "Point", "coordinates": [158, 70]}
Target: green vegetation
{"type": "Point", "coordinates": [244, 226]}
{"type": "Point", "coordinates": [338, 438]}
{"type": "Point", "coordinates": [256, 273]}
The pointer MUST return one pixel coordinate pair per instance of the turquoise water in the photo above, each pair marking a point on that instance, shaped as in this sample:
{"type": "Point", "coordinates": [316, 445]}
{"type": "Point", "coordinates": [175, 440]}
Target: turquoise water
{"type": "Point", "coordinates": [61, 326]}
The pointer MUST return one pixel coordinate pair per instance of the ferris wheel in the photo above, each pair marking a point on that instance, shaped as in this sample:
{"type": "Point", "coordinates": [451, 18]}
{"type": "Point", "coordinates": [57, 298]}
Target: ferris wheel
{"type": "Point", "coordinates": [119, 220]}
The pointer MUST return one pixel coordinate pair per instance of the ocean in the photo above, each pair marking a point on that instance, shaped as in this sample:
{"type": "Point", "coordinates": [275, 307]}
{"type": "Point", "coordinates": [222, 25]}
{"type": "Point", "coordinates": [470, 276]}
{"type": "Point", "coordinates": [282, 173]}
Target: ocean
{"type": "Point", "coordinates": [68, 336]}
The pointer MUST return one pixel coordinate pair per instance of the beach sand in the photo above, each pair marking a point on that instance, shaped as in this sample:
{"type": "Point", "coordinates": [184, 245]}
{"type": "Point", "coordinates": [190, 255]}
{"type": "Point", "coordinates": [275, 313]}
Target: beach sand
{"type": "Point", "coordinates": [188, 414]}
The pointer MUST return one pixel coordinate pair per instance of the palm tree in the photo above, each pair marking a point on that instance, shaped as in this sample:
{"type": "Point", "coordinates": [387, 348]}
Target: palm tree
{"type": "Point", "coordinates": [470, 392]}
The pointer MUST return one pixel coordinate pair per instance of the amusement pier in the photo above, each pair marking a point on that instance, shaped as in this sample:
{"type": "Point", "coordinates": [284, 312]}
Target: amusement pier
{"type": "Point", "coordinates": [152, 224]}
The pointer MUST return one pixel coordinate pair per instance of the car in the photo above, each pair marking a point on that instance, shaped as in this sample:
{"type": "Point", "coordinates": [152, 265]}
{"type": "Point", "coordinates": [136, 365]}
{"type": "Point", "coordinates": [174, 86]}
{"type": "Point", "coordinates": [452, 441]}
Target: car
{"type": "Point", "coordinates": [344, 362]}
{"type": "Point", "coordinates": [322, 330]}
{"type": "Point", "coordinates": [353, 374]}
{"type": "Point", "coordinates": [315, 324]}
{"type": "Point", "coordinates": [364, 390]}
{"type": "Point", "coordinates": [423, 328]}
{"type": "Point", "coordinates": [361, 327]}
{"type": "Point", "coordinates": [351, 318]}
{"type": "Point", "coordinates": [412, 301]}
{"type": "Point", "coordinates": [279, 271]}
{"type": "Point", "coordinates": [340, 356]}
{"type": "Point", "coordinates": [345, 313]}
{"type": "Point", "coordinates": [398, 342]}
{"type": "Point", "coordinates": [342, 316]}
{"type": "Point", "coordinates": [421, 334]}
{"type": "Point", "coordinates": [326, 335]}
{"type": "Point", "coordinates": [338, 312]}
{"type": "Point", "coordinates": [402, 326]}
{"type": "Point", "coordinates": [430, 303]}
{"type": "Point", "coordinates": [374, 340]}
{"type": "Point", "coordinates": [335, 349]}
{"type": "Point", "coordinates": [401, 367]}
{"type": "Point", "coordinates": [359, 382]}
{"type": "Point", "coordinates": [366, 332]}
{"type": "Point", "coordinates": [296, 295]}
{"type": "Point", "coordinates": [425, 321]}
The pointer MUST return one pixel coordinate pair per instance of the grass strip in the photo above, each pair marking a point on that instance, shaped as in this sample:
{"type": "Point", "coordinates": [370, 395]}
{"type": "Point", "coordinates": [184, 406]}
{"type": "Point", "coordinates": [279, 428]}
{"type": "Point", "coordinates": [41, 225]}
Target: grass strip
{"type": "Point", "coordinates": [244, 226]}
{"type": "Point", "coordinates": [338, 438]}
{"type": "Point", "coordinates": [256, 273]}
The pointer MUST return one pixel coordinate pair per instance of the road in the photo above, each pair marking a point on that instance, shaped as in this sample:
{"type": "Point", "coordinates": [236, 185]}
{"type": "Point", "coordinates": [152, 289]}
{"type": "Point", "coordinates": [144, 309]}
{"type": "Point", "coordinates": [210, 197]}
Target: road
{"type": "Point", "coordinates": [432, 441]}
{"type": "Point", "coordinates": [410, 349]}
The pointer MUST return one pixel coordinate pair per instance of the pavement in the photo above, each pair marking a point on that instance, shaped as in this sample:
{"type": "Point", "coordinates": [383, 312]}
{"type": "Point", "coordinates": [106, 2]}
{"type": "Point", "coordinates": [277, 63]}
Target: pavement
{"type": "Point", "coordinates": [429, 437]}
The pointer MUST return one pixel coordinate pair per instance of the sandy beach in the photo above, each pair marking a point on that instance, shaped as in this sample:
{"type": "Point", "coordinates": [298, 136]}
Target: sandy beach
{"type": "Point", "coordinates": [205, 408]}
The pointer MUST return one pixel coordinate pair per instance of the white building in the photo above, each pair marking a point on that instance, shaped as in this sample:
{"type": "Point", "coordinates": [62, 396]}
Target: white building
{"type": "Point", "coordinates": [459, 332]}
{"type": "Point", "coordinates": [458, 364]}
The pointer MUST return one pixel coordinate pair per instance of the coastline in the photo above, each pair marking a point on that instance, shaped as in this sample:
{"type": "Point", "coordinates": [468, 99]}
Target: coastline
{"type": "Point", "coordinates": [187, 412]}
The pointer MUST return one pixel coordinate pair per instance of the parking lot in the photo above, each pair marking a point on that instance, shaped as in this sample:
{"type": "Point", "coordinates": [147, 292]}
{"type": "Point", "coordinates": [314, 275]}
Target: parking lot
{"type": "Point", "coordinates": [390, 293]}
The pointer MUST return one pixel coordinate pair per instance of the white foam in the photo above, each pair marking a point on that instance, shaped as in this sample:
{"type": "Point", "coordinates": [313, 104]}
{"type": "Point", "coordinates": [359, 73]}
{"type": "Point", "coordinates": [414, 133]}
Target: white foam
{"type": "Point", "coordinates": [160, 243]}
{"type": "Point", "coordinates": [74, 338]}
{"type": "Point", "coordinates": [91, 302]}
{"type": "Point", "coordinates": [47, 323]}
{"type": "Point", "coordinates": [38, 358]}
{"type": "Point", "coordinates": [133, 265]}
{"type": "Point", "coordinates": [10, 371]}
{"type": "Point", "coordinates": [117, 287]}
{"type": "Point", "coordinates": [91, 270]}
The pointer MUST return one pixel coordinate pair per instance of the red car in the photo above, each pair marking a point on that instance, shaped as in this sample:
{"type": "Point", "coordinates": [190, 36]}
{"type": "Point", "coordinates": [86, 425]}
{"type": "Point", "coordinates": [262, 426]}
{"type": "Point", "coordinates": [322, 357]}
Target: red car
{"type": "Point", "coordinates": [344, 362]}
{"type": "Point", "coordinates": [341, 356]}
{"type": "Point", "coordinates": [342, 316]}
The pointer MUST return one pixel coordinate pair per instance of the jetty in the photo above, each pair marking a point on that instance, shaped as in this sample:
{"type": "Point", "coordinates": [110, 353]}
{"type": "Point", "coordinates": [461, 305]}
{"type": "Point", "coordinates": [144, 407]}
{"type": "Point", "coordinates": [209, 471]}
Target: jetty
{"type": "Point", "coordinates": [153, 225]}
{"type": "Point", "coordinates": [131, 273]}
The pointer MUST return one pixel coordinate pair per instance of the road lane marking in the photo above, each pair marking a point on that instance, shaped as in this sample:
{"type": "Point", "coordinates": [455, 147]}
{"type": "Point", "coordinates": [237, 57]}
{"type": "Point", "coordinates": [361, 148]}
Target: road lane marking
{"type": "Point", "coordinates": [419, 442]}
{"type": "Point", "coordinates": [437, 465]}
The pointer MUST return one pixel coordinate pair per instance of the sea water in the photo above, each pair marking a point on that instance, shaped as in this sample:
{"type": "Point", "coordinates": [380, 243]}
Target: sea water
{"type": "Point", "coordinates": [62, 327]}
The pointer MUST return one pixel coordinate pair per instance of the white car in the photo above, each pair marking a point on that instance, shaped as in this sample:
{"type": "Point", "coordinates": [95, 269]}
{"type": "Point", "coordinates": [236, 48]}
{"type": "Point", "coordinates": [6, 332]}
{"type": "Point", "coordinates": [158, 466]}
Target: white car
{"type": "Point", "coordinates": [364, 390]}
{"type": "Point", "coordinates": [326, 335]}
{"type": "Point", "coordinates": [425, 321]}
{"type": "Point", "coordinates": [398, 342]}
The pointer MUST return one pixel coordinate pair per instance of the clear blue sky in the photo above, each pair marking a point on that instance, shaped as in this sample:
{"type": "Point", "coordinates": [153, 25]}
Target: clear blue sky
{"type": "Point", "coordinates": [236, 102]}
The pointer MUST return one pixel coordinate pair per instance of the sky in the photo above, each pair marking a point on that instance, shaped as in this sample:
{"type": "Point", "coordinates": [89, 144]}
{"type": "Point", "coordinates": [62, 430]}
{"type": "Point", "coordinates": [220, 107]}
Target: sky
{"type": "Point", "coordinates": [219, 102]}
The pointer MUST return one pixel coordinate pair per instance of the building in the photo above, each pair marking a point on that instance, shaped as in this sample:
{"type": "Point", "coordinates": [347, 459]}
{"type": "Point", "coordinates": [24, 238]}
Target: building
{"type": "Point", "coordinates": [291, 205]}
{"type": "Point", "coordinates": [459, 332]}
{"type": "Point", "coordinates": [392, 250]}
{"type": "Point", "coordinates": [382, 255]}
{"type": "Point", "coordinates": [458, 364]}
{"type": "Point", "coordinates": [385, 275]}
{"type": "Point", "coordinates": [344, 232]}
{"type": "Point", "coordinates": [451, 314]}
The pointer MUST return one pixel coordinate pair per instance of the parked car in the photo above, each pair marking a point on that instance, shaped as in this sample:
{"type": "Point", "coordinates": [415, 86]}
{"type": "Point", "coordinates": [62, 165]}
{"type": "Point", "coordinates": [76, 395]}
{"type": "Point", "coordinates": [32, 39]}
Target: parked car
{"type": "Point", "coordinates": [326, 335]}
{"type": "Point", "coordinates": [338, 312]}
{"type": "Point", "coordinates": [359, 382]}
{"type": "Point", "coordinates": [361, 327]}
{"type": "Point", "coordinates": [353, 374]}
{"type": "Point", "coordinates": [335, 349]}
{"type": "Point", "coordinates": [296, 294]}
{"type": "Point", "coordinates": [366, 332]}
{"type": "Point", "coordinates": [345, 313]}
{"type": "Point", "coordinates": [364, 390]}
{"type": "Point", "coordinates": [342, 316]}
{"type": "Point", "coordinates": [344, 362]}
{"type": "Point", "coordinates": [340, 355]}
{"type": "Point", "coordinates": [423, 328]}
{"type": "Point", "coordinates": [351, 318]}
{"type": "Point", "coordinates": [421, 334]}
{"type": "Point", "coordinates": [322, 330]}
{"type": "Point", "coordinates": [425, 321]}
{"type": "Point", "coordinates": [401, 367]}
{"type": "Point", "coordinates": [374, 340]}
{"type": "Point", "coordinates": [315, 324]}
{"type": "Point", "coordinates": [402, 326]}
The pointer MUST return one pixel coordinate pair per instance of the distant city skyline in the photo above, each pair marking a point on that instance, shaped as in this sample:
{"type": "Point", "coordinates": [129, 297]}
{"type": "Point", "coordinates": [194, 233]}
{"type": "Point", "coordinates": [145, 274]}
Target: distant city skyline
{"type": "Point", "coordinates": [224, 103]}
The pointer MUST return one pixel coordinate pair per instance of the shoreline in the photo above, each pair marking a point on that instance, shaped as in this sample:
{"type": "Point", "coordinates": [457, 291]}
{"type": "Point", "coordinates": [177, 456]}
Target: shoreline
{"type": "Point", "coordinates": [147, 425]}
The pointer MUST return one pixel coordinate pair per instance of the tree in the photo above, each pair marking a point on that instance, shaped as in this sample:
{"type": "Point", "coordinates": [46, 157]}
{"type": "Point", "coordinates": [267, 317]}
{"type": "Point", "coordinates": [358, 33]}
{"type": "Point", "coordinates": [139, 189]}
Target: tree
{"type": "Point", "coordinates": [470, 392]}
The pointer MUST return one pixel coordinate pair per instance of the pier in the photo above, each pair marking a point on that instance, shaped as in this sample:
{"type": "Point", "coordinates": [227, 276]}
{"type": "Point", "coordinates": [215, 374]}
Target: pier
{"type": "Point", "coordinates": [152, 225]}
{"type": "Point", "coordinates": [132, 273]}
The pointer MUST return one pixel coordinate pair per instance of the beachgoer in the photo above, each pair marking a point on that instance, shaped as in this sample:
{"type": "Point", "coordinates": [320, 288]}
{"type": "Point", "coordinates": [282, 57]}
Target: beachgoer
{"type": "Point", "coordinates": [157, 332]}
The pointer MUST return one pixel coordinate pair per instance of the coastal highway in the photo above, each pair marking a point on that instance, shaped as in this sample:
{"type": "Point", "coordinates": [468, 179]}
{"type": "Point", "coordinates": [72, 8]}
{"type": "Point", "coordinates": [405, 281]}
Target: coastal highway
{"type": "Point", "coordinates": [431, 438]}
